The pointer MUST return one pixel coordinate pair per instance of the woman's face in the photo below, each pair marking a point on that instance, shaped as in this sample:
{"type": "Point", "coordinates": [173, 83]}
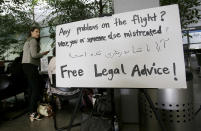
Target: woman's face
{"type": "Point", "coordinates": [35, 33]}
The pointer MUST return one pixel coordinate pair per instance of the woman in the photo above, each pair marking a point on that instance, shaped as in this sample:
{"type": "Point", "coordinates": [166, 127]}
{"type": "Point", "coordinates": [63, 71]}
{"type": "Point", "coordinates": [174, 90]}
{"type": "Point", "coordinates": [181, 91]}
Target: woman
{"type": "Point", "coordinates": [30, 62]}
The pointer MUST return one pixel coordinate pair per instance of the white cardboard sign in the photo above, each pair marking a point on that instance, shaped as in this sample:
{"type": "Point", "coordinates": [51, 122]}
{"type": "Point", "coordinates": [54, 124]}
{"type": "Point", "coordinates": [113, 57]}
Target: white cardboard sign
{"type": "Point", "coordinates": [138, 49]}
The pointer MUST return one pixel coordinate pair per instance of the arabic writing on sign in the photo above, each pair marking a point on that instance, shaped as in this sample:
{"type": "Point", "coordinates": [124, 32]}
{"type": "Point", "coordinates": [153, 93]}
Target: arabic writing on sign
{"type": "Point", "coordinates": [133, 50]}
{"type": "Point", "coordinates": [85, 54]}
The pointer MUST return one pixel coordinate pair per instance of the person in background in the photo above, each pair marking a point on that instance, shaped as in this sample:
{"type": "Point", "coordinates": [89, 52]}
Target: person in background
{"type": "Point", "coordinates": [30, 63]}
{"type": "Point", "coordinates": [51, 71]}
{"type": "Point", "coordinates": [52, 65]}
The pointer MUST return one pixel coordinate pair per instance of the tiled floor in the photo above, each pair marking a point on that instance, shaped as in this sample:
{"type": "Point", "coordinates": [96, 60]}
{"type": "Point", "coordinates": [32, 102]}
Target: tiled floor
{"type": "Point", "coordinates": [22, 123]}
{"type": "Point", "coordinates": [46, 124]}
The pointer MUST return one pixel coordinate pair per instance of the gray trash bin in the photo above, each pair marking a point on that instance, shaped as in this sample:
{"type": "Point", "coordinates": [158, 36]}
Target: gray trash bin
{"type": "Point", "coordinates": [174, 106]}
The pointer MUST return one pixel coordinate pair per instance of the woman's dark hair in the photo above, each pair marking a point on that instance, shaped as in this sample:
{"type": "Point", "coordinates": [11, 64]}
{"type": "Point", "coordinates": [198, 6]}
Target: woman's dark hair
{"type": "Point", "coordinates": [31, 30]}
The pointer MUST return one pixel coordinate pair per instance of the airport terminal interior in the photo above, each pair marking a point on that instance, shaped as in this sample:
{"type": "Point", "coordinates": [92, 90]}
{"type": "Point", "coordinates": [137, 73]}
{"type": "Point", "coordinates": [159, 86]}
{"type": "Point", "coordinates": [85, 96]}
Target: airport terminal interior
{"type": "Point", "coordinates": [112, 109]}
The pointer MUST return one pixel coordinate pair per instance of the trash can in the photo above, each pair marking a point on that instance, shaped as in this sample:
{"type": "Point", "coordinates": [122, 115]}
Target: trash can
{"type": "Point", "coordinates": [174, 106]}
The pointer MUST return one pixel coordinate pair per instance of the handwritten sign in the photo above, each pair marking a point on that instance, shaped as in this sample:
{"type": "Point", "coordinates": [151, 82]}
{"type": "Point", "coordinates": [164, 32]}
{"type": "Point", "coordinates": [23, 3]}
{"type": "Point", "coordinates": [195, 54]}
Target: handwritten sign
{"type": "Point", "coordinates": [139, 49]}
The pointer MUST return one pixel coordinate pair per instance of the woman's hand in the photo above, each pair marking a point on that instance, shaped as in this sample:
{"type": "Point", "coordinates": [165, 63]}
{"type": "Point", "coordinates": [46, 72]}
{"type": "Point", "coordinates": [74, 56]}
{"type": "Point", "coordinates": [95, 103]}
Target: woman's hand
{"type": "Point", "coordinates": [45, 53]}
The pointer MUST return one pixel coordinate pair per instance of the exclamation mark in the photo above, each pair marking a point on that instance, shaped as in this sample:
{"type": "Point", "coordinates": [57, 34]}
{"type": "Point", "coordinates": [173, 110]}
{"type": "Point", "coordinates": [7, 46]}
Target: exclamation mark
{"type": "Point", "coordinates": [174, 69]}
